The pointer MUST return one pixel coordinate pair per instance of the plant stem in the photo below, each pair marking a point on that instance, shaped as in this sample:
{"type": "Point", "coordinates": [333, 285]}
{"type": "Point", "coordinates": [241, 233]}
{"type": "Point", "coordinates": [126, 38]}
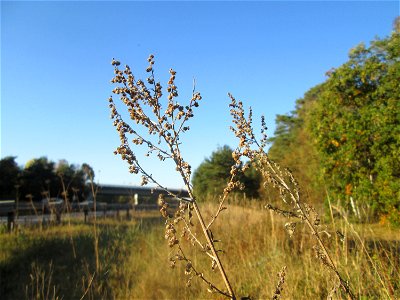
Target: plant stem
{"type": "Point", "coordinates": [315, 233]}
{"type": "Point", "coordinates": [204, 227]}
{"type": "Point", "coordinates": [295, 197]}
{"type": "Point", "coordinates": [213, 251]}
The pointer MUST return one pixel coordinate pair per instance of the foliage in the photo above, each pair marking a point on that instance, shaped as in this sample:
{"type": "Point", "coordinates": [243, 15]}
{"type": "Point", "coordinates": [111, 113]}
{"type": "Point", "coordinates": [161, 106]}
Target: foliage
{"type": "Point", "coordinates": [9, 172]}
{"type": "Point", "coordinates": [158, 125]}
{"type": "Point", "coordinates": [213, 174]}
{"type": "Point", "coordinates": [42, 178]}
{"type": "Point", "coordinates": [292, 146]}
{"type": "Point", "coordinates": [356, 127]}
{"type": "Point", "coordinates": [344, 134]}
{"type": "Point", "coordinates": [37, 177]}
{"type": "Point", "coordinates": [294, 206]}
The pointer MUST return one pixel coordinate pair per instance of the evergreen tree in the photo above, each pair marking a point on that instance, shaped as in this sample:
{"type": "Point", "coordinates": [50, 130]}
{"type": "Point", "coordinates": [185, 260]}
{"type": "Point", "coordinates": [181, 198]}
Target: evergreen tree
{"type": "Point", "coordinates": [211, 177]}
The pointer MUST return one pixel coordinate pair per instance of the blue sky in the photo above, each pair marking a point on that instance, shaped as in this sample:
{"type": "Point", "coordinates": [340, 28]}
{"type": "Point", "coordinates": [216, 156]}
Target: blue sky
{"type": "Point", "coordinates": [56, 72]}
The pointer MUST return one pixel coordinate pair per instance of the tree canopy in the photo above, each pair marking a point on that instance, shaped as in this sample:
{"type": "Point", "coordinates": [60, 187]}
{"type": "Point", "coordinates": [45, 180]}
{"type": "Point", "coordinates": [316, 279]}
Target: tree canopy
{"type": "Point", "coordinates": [344, 135]}
{"type": "Point", "coordinates": [211, 177]}
{"type": "Point", "coordinates": [9, 171]}
{"type": "Point", "coordinates": [41, 178]}
{"type": "Point", "coordinates": [356, 126]}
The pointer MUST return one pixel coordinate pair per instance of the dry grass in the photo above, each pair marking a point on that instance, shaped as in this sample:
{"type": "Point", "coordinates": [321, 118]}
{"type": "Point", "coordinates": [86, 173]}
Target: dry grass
{"type": "Point", "coordinates": [256, 247]}
{"type": "Point", "coordinates": [134, 260]}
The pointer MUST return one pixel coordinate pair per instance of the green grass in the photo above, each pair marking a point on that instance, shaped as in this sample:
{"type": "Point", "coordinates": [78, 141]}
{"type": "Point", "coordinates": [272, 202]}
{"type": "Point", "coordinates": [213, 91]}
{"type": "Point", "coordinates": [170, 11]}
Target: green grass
{"type": "Point", "coordinates": [133, 255]}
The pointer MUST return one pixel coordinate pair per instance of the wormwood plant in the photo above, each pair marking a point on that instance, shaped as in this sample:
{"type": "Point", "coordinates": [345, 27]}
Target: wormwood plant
{"type": "Point", "coordinates": [159, 123]}
{"type": "Point", "coordinates": [282, 179]}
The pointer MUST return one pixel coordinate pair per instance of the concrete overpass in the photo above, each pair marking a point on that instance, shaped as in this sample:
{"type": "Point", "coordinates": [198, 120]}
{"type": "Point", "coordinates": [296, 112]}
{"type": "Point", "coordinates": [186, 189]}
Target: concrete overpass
{"type": "Point", "coordinates": [132, 194]}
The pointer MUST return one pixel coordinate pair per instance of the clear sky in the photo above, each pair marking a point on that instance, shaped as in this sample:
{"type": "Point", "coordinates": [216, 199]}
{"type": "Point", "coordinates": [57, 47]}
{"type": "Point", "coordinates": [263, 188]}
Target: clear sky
{"type": "Point", "coordinates": [56, 71]}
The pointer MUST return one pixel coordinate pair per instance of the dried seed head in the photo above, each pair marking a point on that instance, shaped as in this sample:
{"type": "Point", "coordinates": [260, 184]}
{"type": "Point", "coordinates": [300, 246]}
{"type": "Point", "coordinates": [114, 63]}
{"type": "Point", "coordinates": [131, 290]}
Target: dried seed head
{"type": "Point", "coordinates": [279, 286]}
{"type": "Point", "coordinates": [115, 62]}
{"type": "Point", "coordinates": [161, 200]}
{"type": "Point", "coordinates": [290, 228]}
{"type": "Point", "coordinates": [145, 180]}
{"type": "Point", "coordinates": [213, 264]}
{"type": "Point", "coordinates": [188, 268]}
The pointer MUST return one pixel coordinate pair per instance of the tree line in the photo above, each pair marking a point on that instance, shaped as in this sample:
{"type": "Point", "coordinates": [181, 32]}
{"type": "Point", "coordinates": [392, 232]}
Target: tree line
{"type": "Point", "coordinates": [42, 178]}
{"type": "Point", "coordinates": [342, 139]}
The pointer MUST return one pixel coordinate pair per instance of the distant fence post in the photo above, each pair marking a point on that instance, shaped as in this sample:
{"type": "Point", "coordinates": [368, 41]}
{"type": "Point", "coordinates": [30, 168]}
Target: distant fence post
{"type": "Point", "coordinates": [58, 216]}
{"type": "Point", "coordinates": [127, 213]}
{"type": "Point", "coordinates": [10, 220]}
{"type": "Point", "coordinates": [85, 212]}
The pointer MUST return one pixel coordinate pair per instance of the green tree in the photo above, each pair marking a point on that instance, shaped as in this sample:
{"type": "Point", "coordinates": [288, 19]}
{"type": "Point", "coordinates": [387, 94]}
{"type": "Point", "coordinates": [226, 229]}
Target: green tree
{"type": "Point", "coordinates": [292, 147]}
{"type": "Point", "coordinates": [37, 177]}
{"type": "Point", "coordinates": [356, 127]}
{"type": "Point", "coordinates": [72, 178]}
{"type": "Point", "coordinates": [9, 175]}
{"type": "Point", "coordinates": [87, 173]}
{"type": "Point", "coordinates": [43, 178]}
{"type": "Point", "coordinates": [344, 134]}
{"type": "Point", "coordinates": [211, 177]}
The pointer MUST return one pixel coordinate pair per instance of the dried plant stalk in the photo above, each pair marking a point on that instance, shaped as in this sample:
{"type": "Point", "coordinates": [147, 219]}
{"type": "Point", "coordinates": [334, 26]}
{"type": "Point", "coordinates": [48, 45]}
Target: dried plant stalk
{"type": "Point", "coordinates": [279, 286]}
{"type": "Point", "coordinates": [159, 127]}
{"type": "Point", "coordinates": [283, 180]}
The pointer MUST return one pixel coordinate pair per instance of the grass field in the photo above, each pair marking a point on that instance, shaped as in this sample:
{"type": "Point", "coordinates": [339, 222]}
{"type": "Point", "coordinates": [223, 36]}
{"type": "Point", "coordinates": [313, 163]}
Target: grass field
{"type": "Point", "coordinates": [59, 262]}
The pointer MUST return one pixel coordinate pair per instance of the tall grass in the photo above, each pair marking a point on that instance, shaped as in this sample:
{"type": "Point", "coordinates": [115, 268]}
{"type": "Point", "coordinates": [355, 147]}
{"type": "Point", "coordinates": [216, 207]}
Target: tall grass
{"type": "Point", "coordinates": [133, 257]}
{"type": "Point", "coordinates": [25, 258]}
{"type": "Point", "coordinates": [256, 247]}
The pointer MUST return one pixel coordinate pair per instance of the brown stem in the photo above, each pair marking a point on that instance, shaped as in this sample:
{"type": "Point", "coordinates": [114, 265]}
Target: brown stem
{"type": "Point", "coordinates": [295, 199]}
{"type": "Point", "coordinates": [201, 220]}
{"type": "Point", "coordinates": [210, 242]}
{"type": "Point", "coordinates": [220, 207]}
{"type": "Point", "coordinates": [343, 283]}
{"type": "Point", "coordinates": [213, 251]}
{"type": "Point", "coordinates": [199, 274]}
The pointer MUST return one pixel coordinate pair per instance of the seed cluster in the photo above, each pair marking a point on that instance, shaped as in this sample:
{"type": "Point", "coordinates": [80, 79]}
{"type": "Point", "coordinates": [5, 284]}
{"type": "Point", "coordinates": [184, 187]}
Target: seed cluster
{"type": "Point", "coordinates": [282, 179]}
{"type": "Point", "coordinates": [279, 286]}
{"type": "Point", "coordinates": [163, 121]}
{"type": "Point", "coordinates": [179, 228]}
{"type": "Point", "coordinates": [159, 121]}
{"type": "Point", "coordinates": [243, 130]}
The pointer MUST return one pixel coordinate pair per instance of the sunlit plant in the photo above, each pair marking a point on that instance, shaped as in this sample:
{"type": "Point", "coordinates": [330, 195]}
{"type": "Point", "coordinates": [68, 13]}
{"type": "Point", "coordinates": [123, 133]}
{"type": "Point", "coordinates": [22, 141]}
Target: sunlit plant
{"type": "Point", "coordinates": [158, 123]}
{"type": "Point", "coordinates": [165, 121]}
